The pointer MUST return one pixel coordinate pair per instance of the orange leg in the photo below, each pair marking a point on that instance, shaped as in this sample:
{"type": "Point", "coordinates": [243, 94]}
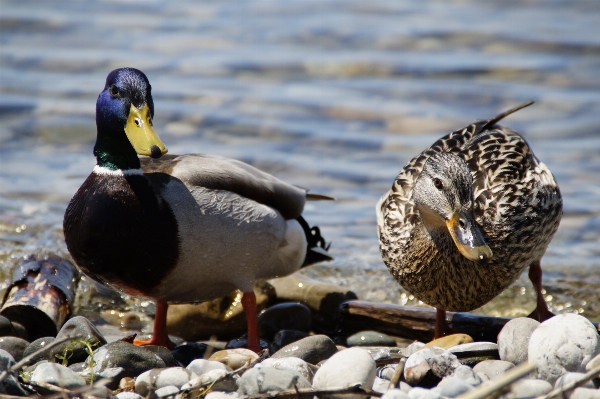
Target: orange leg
{"type": "Point", "coordinates": [541, 312]}
{"type": "Point", "coordinates": [159, 336]}
{"type": "Point", "coordinates": [249, 305]}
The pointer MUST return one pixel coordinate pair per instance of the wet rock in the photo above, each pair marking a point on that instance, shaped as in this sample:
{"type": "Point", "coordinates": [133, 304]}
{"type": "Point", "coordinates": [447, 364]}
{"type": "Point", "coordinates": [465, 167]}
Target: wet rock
{"type": "Point", "coordinates": [36, 346]}
{"type": "Point", "coordinates": [379, 353]}
{"type": "Point", "coordinates": [585, 393]}
{"type": "Point", "coordinates": [74, 327]}
{"type": "Point", "coordinates": [186, 353]}
{"type": "Point", "coordinates": [395, 394]}
{"type": "Point", "coordinates": [566, 342]}
{"type": "Point", "coordinates": [513, 339]}
{"type": "Point", "coordinates": [121, 359]}
{"type": "Point", "coordinates": [242, 343]}
{"type": "Point", "coordinates": [427, 366]}
{"type": "Point", "coordinates": [453, 386]}
{"type": "Point", "coordinates": [450, 340]}
{"type": "Point", "coordinates": [202, 366]}
{"type": "Point", "coordinates": [286, 337]}
{"type": "Point", "coordinates": [152, 380]}
{"type": "Point", "coordinates": [77, 367]}
{"type": "Point", "coordinates": [261, 379]}
{"type": "Point", "coordinates": [293, 364]}
{"type": "Point", "coordinates": [346, 368]}
{"type": "Point", "coordinates": [10, 385]}
{"type": "Point", "coordinates": [169, 390]}
{"type": "Point", "coordinates": [312, 349]}
{"type": "Point", "coordinates": [6, 360]}
{"type": "Point", "coordinates": [234, 358]}
{"type": "Point", "coordinates": [370, 338]}
{"type": "Point", "coordinates": [6, 327]}
{"type": "Point", "coordinates": [57, 375]}
{"type": "Point", "coordinates": [284, 316]}
{"type": "Point", "coordinates": [493, 368]}
{"type": "Point", "coordinates": [569, 377]}
{"type": "Point", "coordinates": [20, 331]}
{"type": "Point", "coordinates": [217, 379]}
{"type": "Point", "coordinates": [14, 345]}
{"type": "Point", "coordinates": [528, 388]}
{"type": "Point", "coordinates": [164, 354]}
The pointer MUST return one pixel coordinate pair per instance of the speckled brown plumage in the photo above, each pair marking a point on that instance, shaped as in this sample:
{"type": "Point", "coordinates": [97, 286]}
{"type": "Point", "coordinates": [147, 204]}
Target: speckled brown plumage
{"type": "Point", "coordinates": [516, 204]}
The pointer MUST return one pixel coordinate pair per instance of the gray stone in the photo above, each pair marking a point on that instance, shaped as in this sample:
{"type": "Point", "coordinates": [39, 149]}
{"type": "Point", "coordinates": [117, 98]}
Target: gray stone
{"type": "Point", "coordinates": [75, 327]}
{"type": "Point", "coordinates": [404, 387]}
{"type": "Point", "coordinates": [219, 395]}
{"type": "Point", "coordinates": [128, 395]}
{"type": "Point", "coordinates": [292, 363]}
{"type": "Point", "coordinates": [566, 342]}
{"type": "Point", "coordinates": [395, 394]}
{"type": "Point", "coordinates": [428, 365]}
{"type": "Point", "coordinates": [6, 360]}
{"type": "Point", "coordinates": [370, 338]}
{"type": "Point", "coordinates": [14, 345]}
{"type": "Point", "coordinates": [513, 339]}
{"type": "Point", "coordinates": [218, 380]}
{"type": "Point", "coordinates": [152, 380]}
{"type": "Point", "coordinates": [36, 346]}
{"type": "Point", "coordinates": [263, 379]}
{"type": "Point", "coordinates": [492, 368]}
{"type": "Point", "coordinates": [422, 393]}
{"type": "Point", "coordinates": [585, 393]}
{"type": "Point", "coordinates": [6, 327]}
{"type": "Point", "coordinates": [121, 359]}
{"type": "Point", "coordinates": [380, 385]}
{"type": "Point", "coordinates": [312, 349]}
{"type": "Point", "coordinates": [452, 387]}
{"type": "Point", "coordinates": [57, 375]}
{"type": "Point", "coordinates": [467, 374]}
{"type": "Point", "coordinates": [201, 366]}
{"type": "Point", "coordinates": [412, 348]}
{"type": "Point", "coordinates": [164, 354]}
{"type": "Point", "coordinates": [284, 316]}
{"type": "Point", "coordinates": [169, 390]}
{"type": "Point", "coordinates": [346, 368]}
{"type": "Point", "coordinates": [474, 347]}
{"type": "Point", "coordinates": [569, 377]}
{"type": "Point", "coordinates": [386, 372]}
{"type": "Point", "coordinates": [528, 388]}
{"type": "Point", "coordinates": [10, 385]}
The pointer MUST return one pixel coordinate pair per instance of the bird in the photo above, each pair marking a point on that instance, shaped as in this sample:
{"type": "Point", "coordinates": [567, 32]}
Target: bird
{"type": "Point", "coordinates": [467, 216]}
{"type": "Point", "coordinates": [180, 229]}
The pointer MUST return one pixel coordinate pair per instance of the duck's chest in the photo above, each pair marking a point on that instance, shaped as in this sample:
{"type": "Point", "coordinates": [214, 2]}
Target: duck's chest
{"type": "Point", "coordinates": [120, 232]}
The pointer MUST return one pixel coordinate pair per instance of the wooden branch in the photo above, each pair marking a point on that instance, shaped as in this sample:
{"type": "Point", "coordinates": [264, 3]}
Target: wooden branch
{"type": "Point", "coordinates": [297, 393]}
{"type": "Point", "coordinates": [397, 374]}
{"type": "Point", "coordinates": [497, 385]}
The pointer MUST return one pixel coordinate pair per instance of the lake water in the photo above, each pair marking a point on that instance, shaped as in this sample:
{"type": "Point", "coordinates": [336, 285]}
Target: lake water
{"type": "Point", "coordinates": [332, 95]}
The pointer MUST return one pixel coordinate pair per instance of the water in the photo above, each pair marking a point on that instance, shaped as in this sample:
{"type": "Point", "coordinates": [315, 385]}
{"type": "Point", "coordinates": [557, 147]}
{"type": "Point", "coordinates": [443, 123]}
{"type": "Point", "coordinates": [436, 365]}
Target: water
{"type": "Point", "coordinates": [336, 96]}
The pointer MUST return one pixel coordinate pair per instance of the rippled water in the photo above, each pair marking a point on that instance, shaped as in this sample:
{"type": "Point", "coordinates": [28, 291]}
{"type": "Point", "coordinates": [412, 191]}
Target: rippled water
{"type": "Point", "coordinates": [336, 96]}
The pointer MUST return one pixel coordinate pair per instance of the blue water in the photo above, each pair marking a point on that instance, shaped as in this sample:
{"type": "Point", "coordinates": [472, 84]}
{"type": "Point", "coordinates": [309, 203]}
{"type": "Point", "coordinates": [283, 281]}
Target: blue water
{"type": "Point", "coordinates": [332, 95]}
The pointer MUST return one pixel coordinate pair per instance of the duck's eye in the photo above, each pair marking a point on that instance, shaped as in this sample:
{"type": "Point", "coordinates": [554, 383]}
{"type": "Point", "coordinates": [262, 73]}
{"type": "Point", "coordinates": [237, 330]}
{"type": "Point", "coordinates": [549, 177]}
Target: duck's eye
{"type": "Point", "coordinates": [438, 183]}
{"type": "Point", "coordinates": [113, 90]}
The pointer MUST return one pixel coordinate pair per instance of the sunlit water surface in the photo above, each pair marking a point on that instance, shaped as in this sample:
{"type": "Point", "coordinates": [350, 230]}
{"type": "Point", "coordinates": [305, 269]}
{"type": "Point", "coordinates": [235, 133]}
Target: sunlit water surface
{"type": "Point", "coordinates": [336, 96]}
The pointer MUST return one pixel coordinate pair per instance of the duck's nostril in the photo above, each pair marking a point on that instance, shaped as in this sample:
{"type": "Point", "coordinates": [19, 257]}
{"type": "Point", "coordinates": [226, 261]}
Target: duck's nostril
{"type": "Point", "coordinates": [155, 152]}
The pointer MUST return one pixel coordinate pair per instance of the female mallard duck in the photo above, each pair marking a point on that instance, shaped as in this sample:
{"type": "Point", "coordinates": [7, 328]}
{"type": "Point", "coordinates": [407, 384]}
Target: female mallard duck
{"type": "Point", "coordinates": [466, 216]}
{"type": "Point", "coordinates": [181, 228]}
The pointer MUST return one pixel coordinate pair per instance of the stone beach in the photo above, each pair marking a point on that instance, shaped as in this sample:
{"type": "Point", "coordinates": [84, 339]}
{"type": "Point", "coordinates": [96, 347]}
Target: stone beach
{"type": "Point", "coordinates": [297, 360]}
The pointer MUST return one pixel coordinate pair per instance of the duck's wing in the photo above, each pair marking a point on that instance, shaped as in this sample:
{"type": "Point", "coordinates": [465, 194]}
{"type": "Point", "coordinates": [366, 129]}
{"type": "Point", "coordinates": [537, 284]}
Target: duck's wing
{"type": "Point", "coordinates": [220, 173]}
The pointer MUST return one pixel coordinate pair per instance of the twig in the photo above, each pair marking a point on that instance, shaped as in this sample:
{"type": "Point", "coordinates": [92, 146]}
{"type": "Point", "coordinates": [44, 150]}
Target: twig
{"type": "Point", "coordinates": [572, 385]}
{"type": "Point", "coordinates": [397, 374]}
{"type": "Point", "coordinates": [26, 359]}
{"type": "Point", "coordinates": [497, 384]}
{"type": "Point", "coordinates": [354, 390]}
{"type": "Point", "coordinates": [78, 391]}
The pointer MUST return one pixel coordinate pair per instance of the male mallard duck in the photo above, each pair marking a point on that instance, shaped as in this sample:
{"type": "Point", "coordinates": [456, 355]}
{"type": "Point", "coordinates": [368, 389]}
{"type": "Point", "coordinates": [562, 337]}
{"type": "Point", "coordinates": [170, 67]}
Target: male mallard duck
{"type": "Point", "coordinates": [466, 216]}
{"type": "Point", "coordinates": [180, 228]}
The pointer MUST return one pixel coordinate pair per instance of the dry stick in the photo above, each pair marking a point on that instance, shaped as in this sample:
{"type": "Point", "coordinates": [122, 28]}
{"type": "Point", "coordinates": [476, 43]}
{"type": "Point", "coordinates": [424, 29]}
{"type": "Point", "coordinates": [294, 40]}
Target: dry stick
{"type": "Point", "coordinates": [26, 359]}
{"type": "Point", "coordinates": [397, 374]}
{"type": "Point", "coordinates": [484, 391]}
{"type": "Point", "coordinates": [78, 391]}
{"type": "Point", "coordinates": [593, 373]}
{"type": "Point", "coordinates": [354, 390]}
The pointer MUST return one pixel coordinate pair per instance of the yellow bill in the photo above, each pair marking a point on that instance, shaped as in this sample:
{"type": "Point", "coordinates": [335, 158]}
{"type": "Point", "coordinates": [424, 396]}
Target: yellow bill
{"type": "Point", "coordinates": [467, 238]}
{"type": "Point", "coordinates": [141, 133]}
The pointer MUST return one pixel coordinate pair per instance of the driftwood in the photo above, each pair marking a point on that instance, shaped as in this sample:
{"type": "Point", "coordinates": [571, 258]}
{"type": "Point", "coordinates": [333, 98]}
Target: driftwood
{"type": "Point", "coordinates": [414, 322]}
{"type": "Point", "coordinates": [41, 295]}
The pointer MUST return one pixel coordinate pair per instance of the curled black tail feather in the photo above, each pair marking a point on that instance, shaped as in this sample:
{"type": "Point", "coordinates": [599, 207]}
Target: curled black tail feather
{"type": "Point", "coordinates": [316, 250]}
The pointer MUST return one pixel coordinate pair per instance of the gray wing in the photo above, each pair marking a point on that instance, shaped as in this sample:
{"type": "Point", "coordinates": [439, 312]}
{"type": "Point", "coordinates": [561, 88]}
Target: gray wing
{"type": "Point", "coordinates": [220, 173]}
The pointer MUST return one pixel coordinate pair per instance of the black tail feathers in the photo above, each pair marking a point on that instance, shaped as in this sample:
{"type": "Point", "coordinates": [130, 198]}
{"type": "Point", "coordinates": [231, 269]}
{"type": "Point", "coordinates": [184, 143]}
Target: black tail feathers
{"type": "Point", "coordinates": [316, 250]}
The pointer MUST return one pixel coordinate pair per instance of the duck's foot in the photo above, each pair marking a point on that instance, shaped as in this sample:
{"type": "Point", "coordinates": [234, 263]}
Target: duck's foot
{"type": "Point", "coordinates": [159, 336]}
{"type": "Point", "coordinates": [541, 312]}
{"type": "Point", "coordinates": [441, 325]}
{"type": "Point", "coordinates": [249, 305]}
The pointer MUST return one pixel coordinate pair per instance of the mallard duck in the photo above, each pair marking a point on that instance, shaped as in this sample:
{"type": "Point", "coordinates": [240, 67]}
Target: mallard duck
{"type": "Point", "coordinates": [180, 229]}
{"type": "Point", "coordinates": [466, 216]}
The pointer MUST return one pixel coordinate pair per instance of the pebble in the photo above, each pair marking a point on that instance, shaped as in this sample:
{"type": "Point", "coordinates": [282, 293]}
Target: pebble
{"type": "Point", "coordinates": [412, 348]}
{"type": "Point", "coordinates": [292, 363]}
{"type": "Point", "coordinates": [36, 346]}
{"type": "Point", "coordinates": [370, 338]}
{"type": "Point", "coordinates": [284, 316]}
{"type": "Point", "coordinates": [513, 339]}
{"type": "Point", "coordinates": [395, 394]}
{"type": "Point", "coordinates": [261, 379]}
{"type": "Point", "coordinates": [453, 386]}
{"type": "Point", "coordinates": [286, 337]}
{"type": "Point", "coordinates": [228, 384]}
{"type": "Point", "coordinates": [201, 366]}
{"type": "Point", "coordinates": [57, 375]}
{"type": "Point", "coordinates": [10, 385]}
{"type": "Point", "coordinates": [128, 395]}
{"type": "Point", "coordinates": [566, 342]}
{"type": "Point", "coordinates": [528, 388]}
{"type": "Point", "coordinates": [450, 340]}
{"type": "Point", "coordinates": [569, 377]}
{"type": "Point", "coordinates": [386, 372]}
{"type": "Point", "coordinates": [242, 343]}
{"type": "Point", "coordinates": [6, 327]}
{"type": "Point", "coordinates": [169, 390]}
{"type": "Point", "coordinates": [346, 368]}
{"type": "Point", "coordinates": [190, 351]}
{"type": "Point", "coordinates": [219, 395]}
{"type": "Point", "coordinates": [492, 368]}
{"type": "Point", "coordinates": [164, 354]}
{"type": "Point", "coordinates": [474, 347]}
{"type": "Point", "coordinates": [234, 358]}
{"type": "Point", "coordinates": [74, 327]}
{"type": "Point", "coordinates": [428, 365]}
{"type": "Point", "coordinates": [121, 359]}
{"type": "Point", "coordinates": [380, 385]}
{"type": "Point", "coordinates": [467, 374]}
{"type": "Point", "coordinates": [585, 393]}
{"type": "Point", "coordinates": [422, 393]}
{"type": "Point", "coordinates": [311, 349]}
{"type": "Point", "coordinates": [152, 380]}
{"type": "Point", "coordinates": [14, 345]}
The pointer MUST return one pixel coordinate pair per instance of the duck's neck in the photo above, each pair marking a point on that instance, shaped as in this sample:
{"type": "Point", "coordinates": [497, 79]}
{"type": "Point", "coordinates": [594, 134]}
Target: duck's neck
{"type": "Point", "coordinates": [113, 151]}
